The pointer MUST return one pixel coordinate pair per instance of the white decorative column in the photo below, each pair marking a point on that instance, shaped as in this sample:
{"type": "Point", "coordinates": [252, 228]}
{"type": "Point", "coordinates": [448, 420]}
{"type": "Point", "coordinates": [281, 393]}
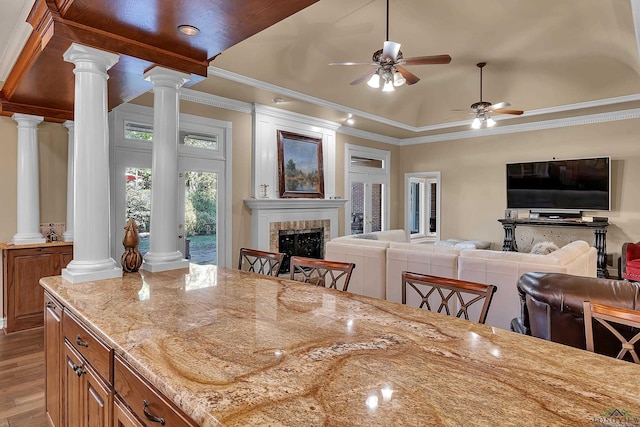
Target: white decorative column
{"type": "Point", "coordinates": [67, 236]}
{"type": "Point", "coordinates": [91, 260]}
{"type": "Point", "coordinates": [163, 243]}
{"type": "Point", "coordinates": [28, 181]}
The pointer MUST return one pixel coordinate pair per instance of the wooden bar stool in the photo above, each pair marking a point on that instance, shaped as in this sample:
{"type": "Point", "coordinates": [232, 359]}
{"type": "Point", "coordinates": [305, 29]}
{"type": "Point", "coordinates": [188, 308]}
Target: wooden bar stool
{"type": "Point", "coordinates": [320, 272]}
{"type": "Point", "coordinates": [261, 262]}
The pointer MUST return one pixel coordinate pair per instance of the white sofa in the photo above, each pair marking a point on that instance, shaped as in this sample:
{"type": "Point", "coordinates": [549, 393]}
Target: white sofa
{"type": "Point", "coordinates": [504, 268]}
{"type": "Point", "coordinates": [426, 258]}
{"type": "Point", "coordinates": [380, 263]}
{"type": "Point", "coordinates": [369, 253]}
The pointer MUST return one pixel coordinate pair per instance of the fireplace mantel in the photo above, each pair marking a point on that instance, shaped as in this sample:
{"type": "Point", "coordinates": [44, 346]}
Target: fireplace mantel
{"type": "Point", "coordinates": [266, 211]}
{"type": "Point", "coordinates": [258, 204]}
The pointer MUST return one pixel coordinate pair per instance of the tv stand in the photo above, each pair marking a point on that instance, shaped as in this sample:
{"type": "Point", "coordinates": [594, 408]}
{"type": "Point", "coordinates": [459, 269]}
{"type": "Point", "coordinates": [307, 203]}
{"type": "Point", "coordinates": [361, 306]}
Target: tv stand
{"type": "Point", "coordinates": [599, 231]}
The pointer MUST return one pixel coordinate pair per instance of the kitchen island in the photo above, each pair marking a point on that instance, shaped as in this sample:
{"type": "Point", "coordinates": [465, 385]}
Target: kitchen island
{"type": "Point", "coordinates": [238, 349]}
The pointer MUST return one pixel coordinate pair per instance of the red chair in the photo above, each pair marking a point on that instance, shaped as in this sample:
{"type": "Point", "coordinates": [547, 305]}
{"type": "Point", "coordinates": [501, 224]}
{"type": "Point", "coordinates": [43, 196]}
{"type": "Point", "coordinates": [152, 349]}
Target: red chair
{"type": "Point", "coordinates": [630, 263]}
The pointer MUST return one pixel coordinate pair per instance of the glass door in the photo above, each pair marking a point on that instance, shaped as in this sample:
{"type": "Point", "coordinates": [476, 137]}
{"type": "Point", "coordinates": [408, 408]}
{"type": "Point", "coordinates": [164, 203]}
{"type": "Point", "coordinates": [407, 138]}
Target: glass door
{"type": "Point", "coordinates": [199, 217]}
{"type": "Point", "coordinates": [367, 180]}
{"type": "Point", "coordinates": [367, 195]}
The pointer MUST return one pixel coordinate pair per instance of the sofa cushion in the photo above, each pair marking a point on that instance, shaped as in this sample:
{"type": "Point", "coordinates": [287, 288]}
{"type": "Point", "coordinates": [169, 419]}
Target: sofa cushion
{"type": "Point", "coordinates": [473, 244]}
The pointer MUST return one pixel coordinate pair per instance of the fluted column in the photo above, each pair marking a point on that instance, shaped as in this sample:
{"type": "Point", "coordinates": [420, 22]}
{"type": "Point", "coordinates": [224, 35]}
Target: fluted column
{"type": "Point", "coordinates": [28, 181]}
{"type": "Point", "coordinates": [91, 256]}
{"type": "Point", "coordinates": [163, 247]}
{"type": "Point", "coordinates": [67, 236]}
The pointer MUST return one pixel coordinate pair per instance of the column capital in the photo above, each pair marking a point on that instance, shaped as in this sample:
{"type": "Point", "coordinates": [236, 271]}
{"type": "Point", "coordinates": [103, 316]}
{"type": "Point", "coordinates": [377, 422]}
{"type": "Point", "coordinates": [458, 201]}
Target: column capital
{"type": "Point", "coordinates": [69, 124]}
{"type": "Point", "coordinates": [27, 119]}
{"type": "Point", "coordinates": [90, 59]}
{"type": "Point", "coordinates": [165, 77]}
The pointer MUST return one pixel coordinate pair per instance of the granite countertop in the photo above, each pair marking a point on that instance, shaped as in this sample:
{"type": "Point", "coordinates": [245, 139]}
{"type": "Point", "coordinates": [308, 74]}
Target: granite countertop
{"type": "Point", "coordinates": [245, 350]}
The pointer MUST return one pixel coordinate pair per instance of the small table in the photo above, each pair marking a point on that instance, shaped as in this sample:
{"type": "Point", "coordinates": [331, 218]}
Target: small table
{"type": "Point", "coordinates": [599, 231]}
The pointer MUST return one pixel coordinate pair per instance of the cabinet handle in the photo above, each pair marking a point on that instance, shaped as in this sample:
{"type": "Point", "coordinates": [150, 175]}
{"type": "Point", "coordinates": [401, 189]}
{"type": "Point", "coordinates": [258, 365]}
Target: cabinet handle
{"type": "Point", "coordinates": [50, 304]}
{"type": "Point", "coordinates": [78, 369]}
{"type": "Point", "coordinates": [80, 342]}
{"type": "Point", "coordinates": [149, 415]}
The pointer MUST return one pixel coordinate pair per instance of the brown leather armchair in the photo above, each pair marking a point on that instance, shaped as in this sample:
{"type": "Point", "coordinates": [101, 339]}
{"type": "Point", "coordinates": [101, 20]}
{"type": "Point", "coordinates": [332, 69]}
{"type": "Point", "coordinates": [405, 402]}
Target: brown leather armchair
{"type": "Point", "coordinates": [552, 308]}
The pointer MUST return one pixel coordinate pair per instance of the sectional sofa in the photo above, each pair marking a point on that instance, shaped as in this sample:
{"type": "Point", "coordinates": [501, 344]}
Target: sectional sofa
{"type": "Point", "coordinates": [380, 262]}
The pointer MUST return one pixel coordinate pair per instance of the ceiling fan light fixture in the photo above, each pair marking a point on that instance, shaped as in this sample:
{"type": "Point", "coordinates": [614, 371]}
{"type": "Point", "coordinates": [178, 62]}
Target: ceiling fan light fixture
{"type": "Point", "coordinates": [398, 79]}
{"type": "Point", "coordinates": [476, 123]}
{"type": "Point", "coordinates": [388, 86]}
{"type": "Point", "coordinates": [374, 81]}
{"type": "Point", "coordinates": [490, 122]}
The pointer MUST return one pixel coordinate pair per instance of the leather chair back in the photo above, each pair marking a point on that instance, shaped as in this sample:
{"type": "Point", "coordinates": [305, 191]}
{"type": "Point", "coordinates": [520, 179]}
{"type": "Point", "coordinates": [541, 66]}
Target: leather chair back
{"type": "Point", "coordinates": [552, 307]}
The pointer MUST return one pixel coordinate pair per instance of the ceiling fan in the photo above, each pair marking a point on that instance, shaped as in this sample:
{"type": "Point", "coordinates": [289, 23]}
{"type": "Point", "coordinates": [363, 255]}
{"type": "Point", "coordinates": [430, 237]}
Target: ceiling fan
{"type": "Point", "coordinates": [483, 109]}
{"type": "Point", "coordinates": [389, 63]}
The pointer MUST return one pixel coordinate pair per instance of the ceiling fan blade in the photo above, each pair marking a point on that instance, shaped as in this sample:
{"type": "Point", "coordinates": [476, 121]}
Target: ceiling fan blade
{"type": "Point", "coordinates": [363, 77]}
{"type": "Point", "coordinates": [503, 111]}
{"type": "Point", "coordinates": [352, 63]}
{"type": "Point", "coordinates": [423, 60]}
{"type": "Point", "coordinates": [390, 50]}
{"type": "Point", "coordinates": [408, 75]}
{"type": "Point", "coordinates": [498, 106]}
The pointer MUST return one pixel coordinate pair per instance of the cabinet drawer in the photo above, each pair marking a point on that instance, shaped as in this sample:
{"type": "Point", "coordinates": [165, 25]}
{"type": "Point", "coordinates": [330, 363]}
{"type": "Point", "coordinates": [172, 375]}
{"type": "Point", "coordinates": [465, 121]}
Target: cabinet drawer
{"type": "Point", "coordinates": [89, 346]}
{"type": "Point", "coordinates": [135, 391]}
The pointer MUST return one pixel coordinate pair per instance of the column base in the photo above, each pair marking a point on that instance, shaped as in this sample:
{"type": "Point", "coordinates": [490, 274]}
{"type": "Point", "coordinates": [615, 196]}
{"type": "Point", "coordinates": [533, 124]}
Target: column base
{"type": "Point", "coordinates": [67, 236]}
{"type": "Point", "coordinates": [89, 271]}
{"type": "Point", "coordinates": [154, 267]}
{"type": "Point", "coordinates": [28, 238]}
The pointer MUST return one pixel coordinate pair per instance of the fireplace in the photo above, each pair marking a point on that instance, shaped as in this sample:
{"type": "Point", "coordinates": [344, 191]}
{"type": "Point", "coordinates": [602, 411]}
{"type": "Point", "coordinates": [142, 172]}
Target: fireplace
{"type": "Point", "coordinates": [307, 243]}
{"type": "Point", "coordinates": [270, 216]}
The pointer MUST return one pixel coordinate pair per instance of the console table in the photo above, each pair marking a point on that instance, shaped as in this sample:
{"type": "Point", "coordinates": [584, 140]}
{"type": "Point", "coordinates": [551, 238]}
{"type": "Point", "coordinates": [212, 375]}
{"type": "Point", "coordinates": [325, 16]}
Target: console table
{"type": "Point", "coordinates": [599, 231]}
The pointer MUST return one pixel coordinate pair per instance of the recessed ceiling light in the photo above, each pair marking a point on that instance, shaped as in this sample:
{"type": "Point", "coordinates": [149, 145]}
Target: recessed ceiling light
{"type": "Point", "coordinates": [350, 121]}
{"type": "Point", "coordinates": [189, 30]}
{"type": "Point", "coordinates": [278, 100]}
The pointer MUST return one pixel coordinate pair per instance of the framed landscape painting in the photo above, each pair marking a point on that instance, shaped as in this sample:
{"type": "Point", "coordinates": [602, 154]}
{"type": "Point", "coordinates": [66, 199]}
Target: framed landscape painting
{"type": "Point", "coordinates": [300, 173]}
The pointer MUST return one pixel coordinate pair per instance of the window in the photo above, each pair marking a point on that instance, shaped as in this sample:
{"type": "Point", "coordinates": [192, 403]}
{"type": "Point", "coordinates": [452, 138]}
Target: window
{"type": "Point", "coordinates": [138, 131]}
{"type": "Point", "coordinates": [422, 210]}
{"type": "Point", "coordinates": [209, 142]}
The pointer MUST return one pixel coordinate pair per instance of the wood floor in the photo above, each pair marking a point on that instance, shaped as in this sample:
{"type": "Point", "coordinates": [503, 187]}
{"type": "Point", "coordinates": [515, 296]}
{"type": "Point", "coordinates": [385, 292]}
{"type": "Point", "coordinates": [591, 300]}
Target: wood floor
{"type": "Point", "coordinates": [22, 379]}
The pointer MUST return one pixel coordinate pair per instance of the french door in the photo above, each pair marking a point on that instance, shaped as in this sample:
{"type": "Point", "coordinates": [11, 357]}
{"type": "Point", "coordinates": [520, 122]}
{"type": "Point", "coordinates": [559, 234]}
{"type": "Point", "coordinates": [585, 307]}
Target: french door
{"type": "Point", "coordinates": [201, 187]}
{"type": "Point", "coordinates": [367, 187]}
{"type": "Point", "coordinates": [366, 200]}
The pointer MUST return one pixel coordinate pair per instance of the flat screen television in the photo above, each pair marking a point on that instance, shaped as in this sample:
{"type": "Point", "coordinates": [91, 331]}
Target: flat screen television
{"type": "Point", "coordinates": [577, 185]}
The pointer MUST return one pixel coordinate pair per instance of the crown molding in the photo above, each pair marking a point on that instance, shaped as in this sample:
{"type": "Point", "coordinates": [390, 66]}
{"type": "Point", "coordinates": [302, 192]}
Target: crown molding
{"type": "Point", "coordinates": [229, 75]}
{"type": "Point", "coordinates": [499, 130]}
{"type": "Point", "coordinates": [300, 118]}
{"type": "Point", "coordinates": [371, 136]}
{"type": "Point", "coordinates": [215, 101]}
{"type": "Point", "coordinates": [527, 127]}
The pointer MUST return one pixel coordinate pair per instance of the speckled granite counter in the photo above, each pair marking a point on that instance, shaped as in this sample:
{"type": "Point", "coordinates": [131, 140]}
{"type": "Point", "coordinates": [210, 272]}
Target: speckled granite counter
{"type": "Point", "coordinates": [248, 350]}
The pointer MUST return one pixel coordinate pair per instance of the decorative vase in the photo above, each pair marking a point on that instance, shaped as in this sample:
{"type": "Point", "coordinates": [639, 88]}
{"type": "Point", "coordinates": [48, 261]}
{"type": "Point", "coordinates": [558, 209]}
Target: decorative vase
{"type": "Point", "coordinates": [131, 259]}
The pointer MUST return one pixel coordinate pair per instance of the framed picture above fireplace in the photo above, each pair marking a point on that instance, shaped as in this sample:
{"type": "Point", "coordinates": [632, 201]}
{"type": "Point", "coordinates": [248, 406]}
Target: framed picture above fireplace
{"type": "Point", "coordinates": [300, 173]}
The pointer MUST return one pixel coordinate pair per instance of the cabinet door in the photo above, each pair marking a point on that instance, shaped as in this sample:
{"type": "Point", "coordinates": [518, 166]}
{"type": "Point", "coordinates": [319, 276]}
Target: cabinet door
{"type": "Point", "coordinates": [97, 400]}
{"type": "Point", "coordinates": [72, 387]}
{"type": "Point", "coordinates": [25, 297]}
{"type": "Point", "coordinates": [53, 349]}
{"type": "Point", "coordinates": [88, 400]}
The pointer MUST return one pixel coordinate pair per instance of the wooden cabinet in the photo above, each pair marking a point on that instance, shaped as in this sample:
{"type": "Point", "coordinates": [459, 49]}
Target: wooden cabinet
{"type": "Point", "coordinates": [23, 266]}
{"type": "Point", "coordinates": [53, 358]}
{"type": "Point", "coordinates": [88, 399]}
{"type": "Point", "coordinates": [144, 401]}
{"type": "Point", "coordinates": [88, 387]}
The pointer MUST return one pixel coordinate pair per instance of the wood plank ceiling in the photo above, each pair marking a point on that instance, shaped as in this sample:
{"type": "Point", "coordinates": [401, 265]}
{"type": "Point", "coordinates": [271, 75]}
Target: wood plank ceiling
{"type": "Point", "coordinates": [143, 32]}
